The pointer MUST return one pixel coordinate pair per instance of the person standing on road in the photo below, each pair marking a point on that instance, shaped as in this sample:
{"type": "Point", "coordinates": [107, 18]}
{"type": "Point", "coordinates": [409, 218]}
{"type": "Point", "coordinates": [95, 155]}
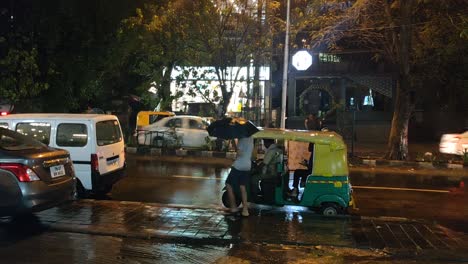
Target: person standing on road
{"type": "Point", "coordinates": [240, 175]}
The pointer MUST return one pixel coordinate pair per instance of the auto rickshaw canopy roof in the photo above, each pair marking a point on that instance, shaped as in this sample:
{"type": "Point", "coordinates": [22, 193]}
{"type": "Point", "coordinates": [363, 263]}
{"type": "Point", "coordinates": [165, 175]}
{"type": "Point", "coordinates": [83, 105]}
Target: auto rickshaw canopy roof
{"type": "Point", "coordinates": [334, 140]}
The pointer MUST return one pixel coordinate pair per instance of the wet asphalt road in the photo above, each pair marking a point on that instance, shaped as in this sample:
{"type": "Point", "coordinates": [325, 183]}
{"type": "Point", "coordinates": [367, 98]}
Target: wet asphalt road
{"type": "Point", "coordinates": [433, 197]}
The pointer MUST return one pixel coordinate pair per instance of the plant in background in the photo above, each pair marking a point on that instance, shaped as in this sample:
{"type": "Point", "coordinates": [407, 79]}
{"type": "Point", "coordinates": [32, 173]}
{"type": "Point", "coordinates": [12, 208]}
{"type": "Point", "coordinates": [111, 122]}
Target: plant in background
{"type": "Point", "coordinates": [209, 144]}
{"type": "Point", "coordinates": [419, 156]}
{"type": "Point", "coordinates": [173, 140]}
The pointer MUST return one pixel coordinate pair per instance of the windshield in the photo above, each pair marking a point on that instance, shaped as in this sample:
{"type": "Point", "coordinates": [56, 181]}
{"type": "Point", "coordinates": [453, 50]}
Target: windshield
{"type": "Point", "coordinates": [13, 141]}
{"type": "Point", "coordinates": [108, 132]}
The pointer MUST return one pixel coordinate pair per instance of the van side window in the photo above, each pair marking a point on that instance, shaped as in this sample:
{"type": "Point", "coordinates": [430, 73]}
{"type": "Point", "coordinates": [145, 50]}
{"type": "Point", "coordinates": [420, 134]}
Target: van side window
{"type": "Point", "coordinates": [108, 132]}
{"type": "Point", "coordinates": [38, 130]}
{"type": "Point", "coordinates": [72, 135]}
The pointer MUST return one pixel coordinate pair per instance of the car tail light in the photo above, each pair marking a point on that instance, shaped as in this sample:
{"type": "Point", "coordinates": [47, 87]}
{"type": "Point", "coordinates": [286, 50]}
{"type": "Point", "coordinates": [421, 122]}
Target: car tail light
{"type": "Point", "coordinates": [3, 113]}
{"type": "Point", "coordinates": [21, 171]}
{"type": "Point", "coordinates": [94, 163]}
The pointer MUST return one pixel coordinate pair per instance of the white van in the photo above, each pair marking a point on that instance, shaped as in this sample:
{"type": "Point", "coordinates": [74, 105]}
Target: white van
{"type": "Point", "coordinates": [95, 143]}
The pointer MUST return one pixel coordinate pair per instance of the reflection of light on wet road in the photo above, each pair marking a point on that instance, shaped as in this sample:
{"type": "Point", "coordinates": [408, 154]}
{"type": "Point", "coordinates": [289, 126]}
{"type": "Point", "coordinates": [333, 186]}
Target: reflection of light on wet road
{"type": "Point", "coordinates": [399, 189]}
{"type": "Point", "coordinates": [196, 177]}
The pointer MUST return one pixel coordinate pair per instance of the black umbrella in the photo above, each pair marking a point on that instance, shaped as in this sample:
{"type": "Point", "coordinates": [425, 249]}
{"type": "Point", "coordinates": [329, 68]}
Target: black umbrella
{"type": "Point", "coordinates": [231, 127]}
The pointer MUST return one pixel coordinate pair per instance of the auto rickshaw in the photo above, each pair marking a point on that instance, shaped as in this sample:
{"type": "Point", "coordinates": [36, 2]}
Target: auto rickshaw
{"type": "Point", "coordinates": [327, 189]}
{"type": "Point", "coordinates": [145, 118]}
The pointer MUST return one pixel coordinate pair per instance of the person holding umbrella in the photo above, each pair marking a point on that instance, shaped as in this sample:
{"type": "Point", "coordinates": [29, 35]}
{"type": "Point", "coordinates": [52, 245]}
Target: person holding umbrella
{"type": "Point", "coordinates": [240, 174]}
{"type": "Point", "coordinates": [230, 128]}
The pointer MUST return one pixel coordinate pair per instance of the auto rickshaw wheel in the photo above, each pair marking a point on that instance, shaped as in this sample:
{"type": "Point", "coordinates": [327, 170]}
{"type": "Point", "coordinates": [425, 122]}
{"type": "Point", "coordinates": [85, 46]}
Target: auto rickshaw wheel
{"type": "Point", "coordinates": [330, 209]}
{"type": "Point", "coordinates": [225, 200]}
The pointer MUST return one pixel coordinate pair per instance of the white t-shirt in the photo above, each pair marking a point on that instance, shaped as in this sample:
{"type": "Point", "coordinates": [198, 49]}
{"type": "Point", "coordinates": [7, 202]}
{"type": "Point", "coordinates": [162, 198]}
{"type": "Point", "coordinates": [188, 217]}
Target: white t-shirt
{"type": "Point", "coordinates": [243, 160]}
{"type": "Point", "coordinates": [272, 156]}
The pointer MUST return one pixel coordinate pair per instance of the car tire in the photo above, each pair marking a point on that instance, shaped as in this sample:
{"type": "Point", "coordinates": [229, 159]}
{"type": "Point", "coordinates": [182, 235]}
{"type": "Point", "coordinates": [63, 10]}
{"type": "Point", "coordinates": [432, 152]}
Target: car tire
{"type": "Point", "coordinates": [330, 209]}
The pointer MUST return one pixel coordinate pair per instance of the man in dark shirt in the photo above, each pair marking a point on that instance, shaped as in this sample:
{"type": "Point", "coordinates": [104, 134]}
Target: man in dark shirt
{"type": "Point", "coordinates": [312, 122]}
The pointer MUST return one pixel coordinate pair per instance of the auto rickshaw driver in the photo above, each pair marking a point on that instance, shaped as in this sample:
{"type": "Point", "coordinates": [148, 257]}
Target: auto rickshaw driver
{"type": "Point", "coordinates": [268, 168]}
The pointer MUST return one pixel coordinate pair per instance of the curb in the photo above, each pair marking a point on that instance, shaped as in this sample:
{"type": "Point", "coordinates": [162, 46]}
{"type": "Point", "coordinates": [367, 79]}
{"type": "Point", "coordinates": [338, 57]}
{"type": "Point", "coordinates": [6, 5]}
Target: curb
{"type": "Point", "coordinates": [357, 160]}
{"type": "Point", "coordinates": [417, 164]}
{"type": "Point", "coordinates": [181, 152]}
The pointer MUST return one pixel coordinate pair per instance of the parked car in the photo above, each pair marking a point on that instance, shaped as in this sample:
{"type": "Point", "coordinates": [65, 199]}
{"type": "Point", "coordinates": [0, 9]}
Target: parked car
{"type": "Point", "coordinates": [184, 130]}
{"type": "Point", "coordinates": [33, 176]}
{"type": "Point", "coordinates": [456, 144]}
{"type": "Point", "coordinates": [95, 143]}
{"type": "Point", "coordinates": [145, 118]}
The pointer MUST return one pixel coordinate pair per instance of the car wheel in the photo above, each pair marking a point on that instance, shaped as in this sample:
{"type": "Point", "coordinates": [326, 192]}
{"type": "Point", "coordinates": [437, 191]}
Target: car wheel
{"type": "Point", "coordinates": [329, 209]}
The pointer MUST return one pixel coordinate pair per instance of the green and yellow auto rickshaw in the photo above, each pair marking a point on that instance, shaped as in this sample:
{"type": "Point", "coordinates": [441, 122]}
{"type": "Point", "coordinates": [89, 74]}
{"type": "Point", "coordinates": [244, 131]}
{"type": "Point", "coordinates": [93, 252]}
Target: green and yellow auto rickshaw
{"type": "Point", "coordinates": [326, 189]}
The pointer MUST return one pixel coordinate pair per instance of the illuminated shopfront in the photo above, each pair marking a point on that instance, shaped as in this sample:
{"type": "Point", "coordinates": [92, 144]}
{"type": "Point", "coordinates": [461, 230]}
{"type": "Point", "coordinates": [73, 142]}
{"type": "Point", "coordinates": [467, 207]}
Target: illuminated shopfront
{"type": "Point", "coordinates": [239, 79]}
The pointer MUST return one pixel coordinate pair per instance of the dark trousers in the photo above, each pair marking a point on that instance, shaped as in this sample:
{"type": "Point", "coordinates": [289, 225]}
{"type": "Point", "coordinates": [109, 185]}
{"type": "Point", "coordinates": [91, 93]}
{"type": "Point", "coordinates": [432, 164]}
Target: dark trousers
{"type": "Point", "coordinates": [298, 175]}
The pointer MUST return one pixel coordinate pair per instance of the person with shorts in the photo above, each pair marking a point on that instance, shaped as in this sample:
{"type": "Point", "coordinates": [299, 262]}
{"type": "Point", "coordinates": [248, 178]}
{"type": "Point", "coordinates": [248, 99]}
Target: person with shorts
{"type": "Point", "coordinates": [240, 175]}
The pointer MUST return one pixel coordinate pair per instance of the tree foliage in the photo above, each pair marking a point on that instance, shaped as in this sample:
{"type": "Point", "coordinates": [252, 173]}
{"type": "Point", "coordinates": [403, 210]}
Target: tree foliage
{"type": "Point", "coordinates": [68, 40]}
{"type": "Point", "coordinates": [156, 40]}
{"type": "Point", "coordinates": [402, 34]}
{"type": "Point", "coordinates": [228, 33]}
{"type": "Point", "coordinates": [20, 77]}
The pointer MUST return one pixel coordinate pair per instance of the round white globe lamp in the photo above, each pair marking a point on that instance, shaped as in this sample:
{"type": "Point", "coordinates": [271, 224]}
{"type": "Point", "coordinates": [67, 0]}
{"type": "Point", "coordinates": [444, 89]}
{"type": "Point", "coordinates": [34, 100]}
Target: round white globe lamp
{"type": "Point", "coordinates": [302, 60]}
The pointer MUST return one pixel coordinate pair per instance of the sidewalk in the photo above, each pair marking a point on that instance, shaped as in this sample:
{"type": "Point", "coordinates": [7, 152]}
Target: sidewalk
{"type": "Point", "coordinates": [266, 225]}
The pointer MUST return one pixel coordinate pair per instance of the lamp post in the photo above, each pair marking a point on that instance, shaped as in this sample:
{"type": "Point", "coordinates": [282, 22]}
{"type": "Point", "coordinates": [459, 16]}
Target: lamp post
{"type": "Point", "coordinates": [285, 68]}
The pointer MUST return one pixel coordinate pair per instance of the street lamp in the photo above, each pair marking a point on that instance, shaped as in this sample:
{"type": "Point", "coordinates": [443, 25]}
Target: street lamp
{"type": "Point", "coordinates": [285, 69]}
{"type": "Point", "coordinates": [302, 60]}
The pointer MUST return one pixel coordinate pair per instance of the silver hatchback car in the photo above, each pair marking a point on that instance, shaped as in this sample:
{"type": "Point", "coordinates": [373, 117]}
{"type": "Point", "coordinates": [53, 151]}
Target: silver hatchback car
{"type": "Point", "coordinates": [33, 176]}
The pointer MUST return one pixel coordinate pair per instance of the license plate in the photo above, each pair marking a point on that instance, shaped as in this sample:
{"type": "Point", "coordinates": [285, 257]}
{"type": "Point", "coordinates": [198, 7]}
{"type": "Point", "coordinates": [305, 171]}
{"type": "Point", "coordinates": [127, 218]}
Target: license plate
{"type": "Point", "coordinates": [57, 171]}
{"type": "Point", "coordinates": [113, 162]}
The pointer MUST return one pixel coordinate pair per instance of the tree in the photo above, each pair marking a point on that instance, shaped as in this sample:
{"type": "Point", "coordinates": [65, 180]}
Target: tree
{"type": "Point", "coordinates": [75, 37]}
{"type": "Point", "coordinates": [387, 27]}
{"type": "Point", "coordinates": [229, 36]}
{"type": "Point", "coordinates": [439, 52]}
{"type": "Point", "coordinates": [20, 77]}
{"type": "Point", "coordinates": [154, 42]}
{"type": "Point", "coordinates": [67, 41]}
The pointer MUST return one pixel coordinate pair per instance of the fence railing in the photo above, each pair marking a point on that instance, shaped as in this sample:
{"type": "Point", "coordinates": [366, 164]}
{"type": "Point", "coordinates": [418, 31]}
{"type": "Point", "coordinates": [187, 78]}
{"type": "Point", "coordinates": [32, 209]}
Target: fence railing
{"type": "Point", "coordinates": [157, 139]}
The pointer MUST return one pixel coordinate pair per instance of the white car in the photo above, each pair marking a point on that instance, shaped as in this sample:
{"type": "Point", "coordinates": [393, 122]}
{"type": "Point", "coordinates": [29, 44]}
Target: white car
{"type": "Point", "coordinates": [454, 143]}
{"type": "Point", "coordinates": [184, 131]}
